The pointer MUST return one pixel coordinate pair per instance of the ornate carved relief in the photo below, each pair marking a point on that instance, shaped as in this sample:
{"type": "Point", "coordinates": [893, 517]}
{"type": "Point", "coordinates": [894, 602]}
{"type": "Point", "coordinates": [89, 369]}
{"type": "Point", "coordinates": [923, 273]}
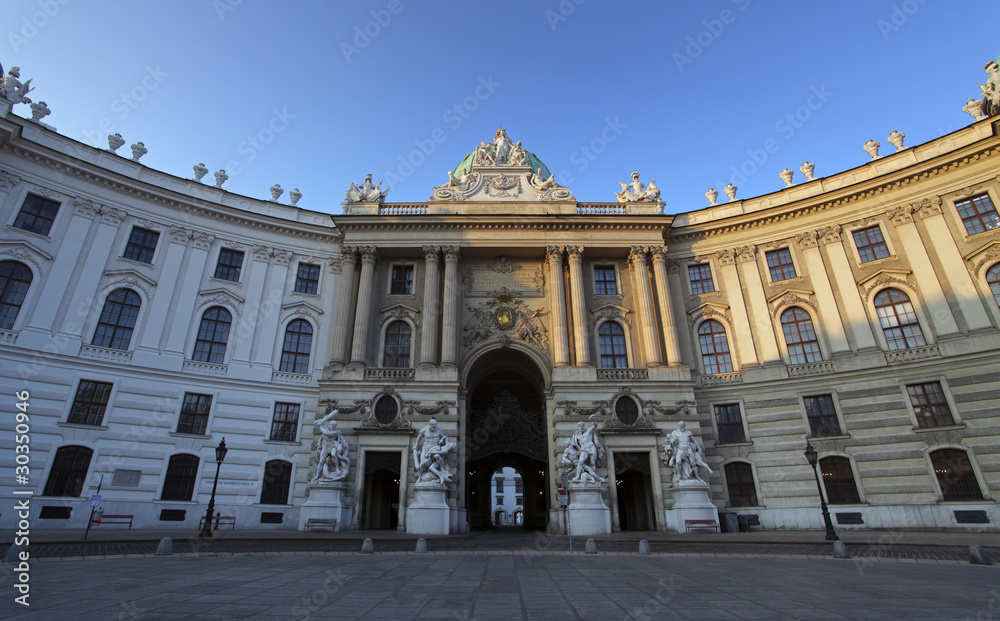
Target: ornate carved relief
{"type": "Point", "coordinates": [725, 257]}
{"type": "Point", "coordinates": [790, 299]}
{"type": "Point", "coordinates": [901, 215]}
{"type": "Point", "coordinates": [928, 207]}
{"type": "Point", "coordinates": [808, 239]}
{"type": "Point", "coordinates": [262, 253]}
{"type": "Point", "coordinates": [202, 241]}
{"type": "Point", "coordinates": [746, 254]}
{"type": "Point", "coordinates": [282, 257]}
{"type": "Point", "coordinates": [399, 422]}
{"type": "Point", "coordinates": [988, 259]}
{"type": "Point", "coordinates": [609, 312]}
{"type": "Point", "coordinates": [127, 278]}
{"type": "Point", "coordinates": [504, 317]}
{"type": "Point", "coordinates": [85, 207]}
{"type": "Point", "coordinates": [28, 253]}
{"type": "Point", "coordinates": [7, 180]}
{"type": "Point", "coordinates": [46, 192]}
{"type": "Point", "coordinates": [113, 216]}
{"type": "Point", "coordinates": [830, 234]}
{"type": "Point", "coordinates": [222, 298]}
{"type": "Point", "coordinates": [301, 310]}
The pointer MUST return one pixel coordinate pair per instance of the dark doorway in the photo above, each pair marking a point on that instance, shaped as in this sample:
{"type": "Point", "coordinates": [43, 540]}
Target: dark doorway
{"type": "Point", "coordinates": [635, 491]}
{"type": "Point", "coordinates": [381, 493]}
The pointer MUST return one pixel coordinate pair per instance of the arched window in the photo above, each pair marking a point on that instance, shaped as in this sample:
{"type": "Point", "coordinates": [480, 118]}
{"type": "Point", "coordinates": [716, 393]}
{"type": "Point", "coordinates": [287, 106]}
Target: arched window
{"type": "Point", "coordinates": [739, 482]}
{"type": "Point", "coordinates": [714, 347]}
{"type": "Point", "coordinates": [838, 481]}
{"type": "Point", "coordinates": [626, 410]}
{"type": "Point", "coordinates": [114, 329]}
{"type": "Point", "coordinates": [182, 473]}
{"type": "Point", "coordinates": [298, 343]}
{"type": "Point", "coordinates": [611, 338]}
{"type": "Point", "coordinates": [213, 334]}
{"type": "Point", "coordinates": [397, 345]}
{"type": "Point", "coordinates": [899, 322]}
{"type": "Point", "coordinates": [800, 336]}
{"type": "Point", "coordinates": [955, 475]}
{"type": "Point", "coordinates": [386, 410]}
{"type": "Point", "coordinates": [277, 481]}
{"type": "Point", "coordinates": [993, 279]}
{"type": "Point", "coordinates": [69, 470]}
{"type": "Point", "coordinates": [15, 278]}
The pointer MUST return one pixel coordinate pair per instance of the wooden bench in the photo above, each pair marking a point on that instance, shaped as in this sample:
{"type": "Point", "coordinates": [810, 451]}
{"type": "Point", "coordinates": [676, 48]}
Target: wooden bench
{"type": "Point", "coordinates": [228, 520]}
{"type": "Point", "coordinates": [113, 519]}
{"type": "Point", "coordinates": [689, 524]}
{"type": "Point", "coordinates": [748, 522]}
{"type": "Point", "coordinates": [330, 523]}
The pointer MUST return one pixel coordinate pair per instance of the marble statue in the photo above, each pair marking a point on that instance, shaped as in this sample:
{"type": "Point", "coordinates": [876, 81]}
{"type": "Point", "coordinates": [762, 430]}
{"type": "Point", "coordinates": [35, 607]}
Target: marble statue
{"type": "Point", "coordinates": [584, 453]}
{"type": "Point", "coordinates": [517, 155]}
{"type": "Point", "coordinates": [199, 171]}
{"type": "Point", "coordinates": [483, 155]}
{"type": "Point", "coordinates": [138, 150]}
{"type": "Point", "coordinates": [974, 108]}
{"type": "Point", "coordinates": [540, 183]}
{"type": "Point", "coordinates": [712, 195]}
{"type": "Point", "coordinates": [12, 89]}
{"type": "Point", "coordinates": [332, 461]}
{"type": "Point", "coordinates": [220, 178]}
{"type": "Point", "coordinates": [896, 139]}
{"type": "Point", "coordinates": [786, 176]}
{"type": "Point", "coordinates": [730, 191]}
{"type": "Point", "coordinates": [115, 142]}
{"type": "Point", "coordinates": [294, 196]}
{"type": "Point", "coordinates": [871, 147]}
{"type": "Point", "coordinates": [683, 453]}
{"type": "Point", "coordinates": [501, 148]}
{"type": "Point", "coordinates": [366, 192]}
{"type": "Point", "coordinates": [430, 451]}
{"type": "Point", "coordinates": [39, 111]}
{"type": "Point", "coordinates": [991, 90]}
{"type": "Point", "coordinates": [807, 170]}
{"type": "Point", "coordinates": [635, 191]}
{"type": "Point", "coordinates": [276, 191]}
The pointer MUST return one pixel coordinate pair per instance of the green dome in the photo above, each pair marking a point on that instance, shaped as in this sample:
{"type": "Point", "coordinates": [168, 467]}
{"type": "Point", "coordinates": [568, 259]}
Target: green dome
{"type": "Point", "coordinates": [536, 165]}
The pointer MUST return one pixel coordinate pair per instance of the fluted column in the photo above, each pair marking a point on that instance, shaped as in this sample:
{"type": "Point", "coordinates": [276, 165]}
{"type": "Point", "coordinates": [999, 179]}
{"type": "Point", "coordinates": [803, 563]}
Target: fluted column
{"type": "Point", "coordinates": [343, 318]}
{"type": "Point", "coordinates": [560, 347]}
{"type": "Point", "coordinates": [449, 328]}
{"type": "Point", "coordinates": [580, 340]}
{"type": "Point", "coordinates": [666, 310]}
{"type": "Point", "coordinates": [644, 304]}
{"type": "Point", "coordinates": [428, 337]}
{"type": "Point", "coordinates": [369, 256]}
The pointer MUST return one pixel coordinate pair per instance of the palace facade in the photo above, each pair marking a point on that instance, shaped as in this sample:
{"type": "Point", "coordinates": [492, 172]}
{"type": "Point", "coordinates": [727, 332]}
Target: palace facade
{"type": "Point", "coordinates": [149, 316]}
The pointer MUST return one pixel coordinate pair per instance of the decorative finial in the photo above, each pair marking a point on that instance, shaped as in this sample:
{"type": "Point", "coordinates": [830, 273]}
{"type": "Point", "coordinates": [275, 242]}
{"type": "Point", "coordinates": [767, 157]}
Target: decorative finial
{"type": "Point", "coordinates": [896, 139]}
{"type": "Point", "coordinates": [199, 171]}
{"type": "Point", "coordinates": [39, 110]}
{"type": "Point", "coordinates": [807, 170]}
{"type": "Point", "coordinates": [730, 191]}
{"type": "Point", "coordinates": [138, 150]}
{"type": "Point", "coordinates": [871, 147]}
{"type": "Point", "coordinates": [974, 108]}
{"type": "Point", "coordinates": [276, 191]}
{"type": "Point", "coordinates": [786, 176]}
{"type": "Point", "coordinates": [115, 141]}
{"type": "Point", "coordinates": [294, 196]}
{"type": "Point", "coordinates": [711, 195]}
{"type": "Point", "coordinates": [220, 178]}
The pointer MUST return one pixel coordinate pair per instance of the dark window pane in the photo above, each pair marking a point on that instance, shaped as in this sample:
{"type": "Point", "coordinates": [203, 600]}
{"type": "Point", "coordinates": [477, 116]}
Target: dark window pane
{"type": "Point", "coordinates": [604, 281]}
{"type": "Point", "coordinates": [611, 338]}
{"type": "Point", "coordinates": [838, 481]}
{"type": "Point", "coordinates": [993, 279]}
{"type": "Point", "coordinates": [730, 423]}
{"type": "Point", "coordinates": [701, 278]}
{"type": "Point", "coordinates": [929, 404]}
{"type": "Point", "coordinates": [141, 245]}
{"type": "Point", "coordinates": [69, 470]}
{"type": "Point", "coordinates": [800, 337]}
{"type": "Point", "coordinates": [277, 481]}
{"type": "Point", "coordinates": [213, 334]}
{"type": "Point", "coordinates": [402, 280]}
{"type": "Point", "coordinates": [978, 214]}
{"type": "Point", "coordinates": [870, 244]}
{"type": "Point", "coordinates": [296, 348]}
{"type": "Point", "coordinates": [822, 416]}
{"type": "Point", "coordinates": [285, 422]}
{"type": "Point", "coordinates": [229, 265]}
{"type": "Point", "coordinates": [37, 215]}
{"type": "Point", "coordinates": [955, 475]}
{"type": "Point", "coordinates": [779, 262]}
{"type": "Point", "coordinates": [899, 321]}
{"type": "Point", "coordinates": [194, 414]}
{"type": "Point", "coordinates": [15, 279]}
{"type": "Point", "coordinates": [626, 410]}
{"type": "Point", "coordinates": [739, 482]}
{"type": "Point", "coordinates": [714, 347]}
{"type": "Point", "coordinates": [307, 279]}
{"type": "Point", "coordinates": [90, 403]}
{"type": "Point", "coordinates": [182, 473]}
{"type": "Point", "coordinates": [397, 345]}
{"type": "Point", "coordinates": [114, 329]}
{"type": "Point", "coordinates": [386, 410]}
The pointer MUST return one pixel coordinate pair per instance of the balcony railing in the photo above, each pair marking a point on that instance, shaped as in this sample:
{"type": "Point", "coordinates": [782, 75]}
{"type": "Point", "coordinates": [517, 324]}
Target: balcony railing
{"type": "Point", "coordinates": [914, 353]}
{"type": "Point", "coordinates": [812, 368]}
{"type": "Point", "coordinates": [204, 368]}
{"type": "Point", "coordinates": [390, 373]}
{"type": "Point", "coordinates": [622, 374]}
{"type": "Point", "coordinates": [402, 210]}
{"type": "Point", "coordinates": [601, 209]}
{"type": "Point", "coordinates": [721, 379]}
{"type": "Point", "coordinates": [302, 379]}
{"type": "Point", "coordinates": [105, 353]}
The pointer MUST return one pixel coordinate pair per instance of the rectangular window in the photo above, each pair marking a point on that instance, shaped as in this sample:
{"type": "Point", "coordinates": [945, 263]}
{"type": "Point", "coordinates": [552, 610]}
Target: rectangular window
{"type": "Point", "coordinates": [499, 500]}
{"type": "Point", "coordinates": [90, 403]}
{"type": "Point", "coordinates": [930, 405]}
{"type": "Point", "coordinates": [285, 422]}
{"type": "Point", "coordinates": [519, 500]}
{"type": "Point", "coordinates": [499, 482]}
{"type": "Point", "coordinates": [780, 263]}
{"type": "Point", "coordinates": [730, 423]}
{"type": "Point", "coordinates": [701, 278]}
{"type": "Point", "coordinates": [870, 244]}
{"type": "Point", "coordinates": [229, 265]}
{"type": "Point", "coordinates": [605, 282]}
{"type": "Point", "coordinates": [822, 416]}
{"type": "Point", "coordinates": [307, 279]}
{"type": "Point", "coordinates": [402, 280]}
{"type": "Point", "coordinates": [194, 414]}
{"type": "Point", "coordinates": [37, 215]}
{"type": "Point", "coordinates": [978, 214]}
{"type": "Point", "coordinates": [141, 245]}
{"type": "Point", "coordinates": [518, 486]}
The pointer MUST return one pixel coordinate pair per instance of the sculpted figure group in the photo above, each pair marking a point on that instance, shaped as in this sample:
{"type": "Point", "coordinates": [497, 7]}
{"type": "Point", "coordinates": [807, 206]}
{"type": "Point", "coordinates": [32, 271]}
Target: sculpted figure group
{"type": "Point", "coordinates": [584, 454]}
{"type": "Point", "coordinates": [430, 451]}
{"type": "Point", "coordinates": [683, 454]}
{"type": "Point", "coordinates": [332, 461]}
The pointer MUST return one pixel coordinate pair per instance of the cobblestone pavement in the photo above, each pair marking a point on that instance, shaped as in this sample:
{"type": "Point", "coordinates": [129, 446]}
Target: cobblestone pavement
{"type": "Point", "coordinates": [407, 586]}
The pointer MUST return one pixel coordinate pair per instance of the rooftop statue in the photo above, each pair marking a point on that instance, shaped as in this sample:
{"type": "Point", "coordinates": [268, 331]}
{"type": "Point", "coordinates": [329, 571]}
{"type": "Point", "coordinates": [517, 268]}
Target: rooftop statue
{"type": "Point", "coordinates": [991, 90]}
{"type": "Point", "coordinates": [366, 192]}
{"type": "Point", "coordinates": [12, 89]}
{"type": "Point", "coordinates": [635, 191]}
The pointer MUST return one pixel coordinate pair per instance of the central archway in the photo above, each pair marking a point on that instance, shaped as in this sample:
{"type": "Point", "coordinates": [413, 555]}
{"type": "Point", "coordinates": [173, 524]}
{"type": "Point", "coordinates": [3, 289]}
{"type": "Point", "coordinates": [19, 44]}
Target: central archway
{"type": "Point", "coordinates": [506, 427]}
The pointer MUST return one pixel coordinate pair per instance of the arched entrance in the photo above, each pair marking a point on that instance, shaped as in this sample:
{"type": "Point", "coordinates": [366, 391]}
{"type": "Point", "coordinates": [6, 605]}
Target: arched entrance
{"type": "Point", "coordinates": [506, 426]}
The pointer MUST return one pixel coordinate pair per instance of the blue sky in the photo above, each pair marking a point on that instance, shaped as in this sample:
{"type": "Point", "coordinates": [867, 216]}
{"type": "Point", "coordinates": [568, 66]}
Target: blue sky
{"type": "Point", "coordinates": [314, 95]}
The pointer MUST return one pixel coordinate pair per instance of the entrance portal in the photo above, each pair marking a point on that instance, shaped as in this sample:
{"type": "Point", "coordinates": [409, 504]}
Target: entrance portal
{"type": "Point", "coordinates": [506, 428]}
{"type": "Point", "coordinates": [635, 491]}
{"type": "Point", "coordinates": [381, 492]}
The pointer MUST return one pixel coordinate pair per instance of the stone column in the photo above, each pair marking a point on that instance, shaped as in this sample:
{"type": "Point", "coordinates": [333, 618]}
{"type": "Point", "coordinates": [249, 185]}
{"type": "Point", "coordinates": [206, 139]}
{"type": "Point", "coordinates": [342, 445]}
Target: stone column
{"type": "Point", "coordinates": [428, 335]}
{"type": "Point", "coordinates": [829, 314]}
{"type": "Point", "coordinates": [766, 339]}
{"type": "Point", "coordinates": [843, 276]}
{"type": "Point", "coordinates": [344, 298]}
{"type": "Point", "coordinates": [560, 347]}
{"type": "Point", "coordinates": [644, 306]}
{"type": "Point", "coordinates": [449, 327]}
{"type": "Point", "coordinates": [666, 311]}
{"type": "Point", "coordinates": [369, 257]}
{"type": "Point", "coordinates": [580, 337]}
{"type": "Point", "coordinates": [187, 296]}
{"type": "Point", "coordinates": [730, 277]}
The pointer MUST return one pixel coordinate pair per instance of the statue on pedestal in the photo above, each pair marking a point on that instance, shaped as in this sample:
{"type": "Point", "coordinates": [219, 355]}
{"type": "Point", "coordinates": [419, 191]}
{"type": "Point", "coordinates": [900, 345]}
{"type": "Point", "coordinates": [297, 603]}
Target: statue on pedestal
{"type": "Point", "coordinates": [635, 191]}
{"type": "Point", "coordinates": [683, 453]}
{"type": "Point", "coordinates": [11, 88]}
{"type": "Point", "coordinates": [584, 453]}
{"type": "Point", "coordinates": [366, 192]}
{"type": "Point", "coordinates": [332, 462]}
{"type": "Point", "coordinates": [991, 90]}
{"type": "Point", "coordinates": [430, 450]}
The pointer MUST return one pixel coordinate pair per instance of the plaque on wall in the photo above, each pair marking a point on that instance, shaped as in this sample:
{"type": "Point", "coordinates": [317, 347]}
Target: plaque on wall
{"type": "Point", "coordinates": [485, 279]}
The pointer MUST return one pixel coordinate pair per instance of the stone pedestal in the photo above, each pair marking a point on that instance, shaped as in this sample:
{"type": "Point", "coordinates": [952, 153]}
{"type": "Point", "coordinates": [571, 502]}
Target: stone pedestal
{"type": "Point", "coordinates": [587, 513]}
{"type": "Point", "coordinates": [326, 502]}
{"type": "Point", "coordinates": [690, 503]}
{"type": "Point", "coordinates": [429, 513]}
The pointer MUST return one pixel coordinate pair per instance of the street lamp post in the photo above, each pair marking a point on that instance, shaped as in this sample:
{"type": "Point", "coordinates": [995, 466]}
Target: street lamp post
{"type": "Point", "coordinates": [812, 457]}
{"type": "Point", "coordinates": [220, 455]}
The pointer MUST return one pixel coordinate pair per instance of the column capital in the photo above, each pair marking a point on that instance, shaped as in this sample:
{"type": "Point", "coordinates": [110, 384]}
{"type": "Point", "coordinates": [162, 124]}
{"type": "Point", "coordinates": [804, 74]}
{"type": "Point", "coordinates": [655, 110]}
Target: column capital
{"type": "Point", "coordinates": [829, 234]}
{"type": "Point", "coordinates": [113, 216]}
{"type": "Point", "coordinates": [553, 253]}
{"type": "Point", "coordinates": [179, 235]}
{"type": "Point", "coordinates": [369, 254]}
{"type": "Point", "coordinates": [637, 254]}
{"type": "Point", "coordinates": [746, 254]}
{"type": "Point", "coordinates": [203, 241]}
{"type": "Point", "coordinates": [725, 257]}
{"type": "Point", "coordinates": [85, 207]}
{"type": "Point", "coordinates": [262, 253]}
{"type": "Point", "coordinates": [452, 253]}
{"type": "Point", "coordinates": [901, 215]}
{"type": "Point", "coordinates": [928, 207]}
{"type": "Point", "coordinates": [574, 253]}
{"type": "Point", "coordinates": [431, 253]}
{"type": "Point", "coordinates": [808, 239]}
{"type": "Point", "coordinates": [658, 253]}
